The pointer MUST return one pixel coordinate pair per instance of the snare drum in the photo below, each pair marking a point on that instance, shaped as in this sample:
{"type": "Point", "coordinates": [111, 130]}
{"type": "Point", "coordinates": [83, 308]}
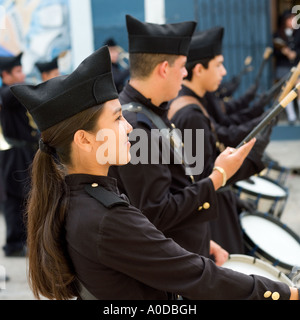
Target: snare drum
{"type": "Point", "coordinates": [251, 265]}
{"type": "Point", "coordinates": [269, 196]}
{"type": "Point", "coordinates": [269, 239]}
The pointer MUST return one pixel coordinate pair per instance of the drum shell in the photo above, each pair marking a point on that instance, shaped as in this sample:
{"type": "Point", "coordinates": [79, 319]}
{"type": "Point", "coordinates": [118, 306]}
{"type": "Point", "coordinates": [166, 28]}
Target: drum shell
{"type": "Point", "coordinates": [275, 172]}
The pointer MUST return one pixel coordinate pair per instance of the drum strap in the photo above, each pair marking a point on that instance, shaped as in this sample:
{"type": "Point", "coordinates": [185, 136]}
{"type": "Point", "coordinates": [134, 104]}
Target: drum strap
{"type": "Point", "coordinates": [184, 101]}
{"type": "Point", "coordinates": [169, 134]}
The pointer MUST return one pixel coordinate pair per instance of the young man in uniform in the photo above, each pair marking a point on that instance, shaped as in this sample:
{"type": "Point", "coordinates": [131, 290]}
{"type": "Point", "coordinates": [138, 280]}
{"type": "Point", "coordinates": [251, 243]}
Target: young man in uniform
{"type": "Point", "coordinates": [20, 132]}
{"type": "Point", "coordinates": [190, 111]}
{"type": "Point", "coordinates": [163, 191]}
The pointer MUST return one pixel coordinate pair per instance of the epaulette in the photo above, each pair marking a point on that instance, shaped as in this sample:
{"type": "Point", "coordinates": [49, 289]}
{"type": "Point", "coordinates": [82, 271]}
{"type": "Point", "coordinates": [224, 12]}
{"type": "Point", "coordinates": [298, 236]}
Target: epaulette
{"type": "Point", "coordinates": [107, 198]}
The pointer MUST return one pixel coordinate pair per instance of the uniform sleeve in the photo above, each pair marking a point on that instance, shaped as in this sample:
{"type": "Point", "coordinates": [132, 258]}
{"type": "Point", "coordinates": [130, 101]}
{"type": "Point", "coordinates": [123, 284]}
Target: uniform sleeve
{"type": "Point", "coordinates": [130, 244]}
{"type": "Point", "coordinates": [236, 105]}
{"type": "Point", "coordinates": [193, 119]}
{"type": "Point", "coordinates": [233, 134]}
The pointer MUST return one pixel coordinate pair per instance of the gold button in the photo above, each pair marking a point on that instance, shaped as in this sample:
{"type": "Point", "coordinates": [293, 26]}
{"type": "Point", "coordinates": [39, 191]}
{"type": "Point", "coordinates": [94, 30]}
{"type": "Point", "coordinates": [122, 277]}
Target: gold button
{"type": "Point", "coordinates": [267, 294]}
{"type": "Point", "coordinates": [275, 296]}
{"type": "Point", "coordinates": [173, 125]}
{"type": "Point", "coordinates": [206, 205]}
{"type": "Point", "coordinates": [200, 208]}
{"type": "Point", "coordinates": [95, 185]}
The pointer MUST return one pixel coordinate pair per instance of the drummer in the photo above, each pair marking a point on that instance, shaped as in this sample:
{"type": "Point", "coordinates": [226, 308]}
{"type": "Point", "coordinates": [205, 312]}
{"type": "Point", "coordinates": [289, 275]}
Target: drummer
{"type": "Point", "coordinates": [189, 111]}
{"type": "Point", "coordinates": [111, 249]}
{"type": "Point", "coordinates": [165, 191]}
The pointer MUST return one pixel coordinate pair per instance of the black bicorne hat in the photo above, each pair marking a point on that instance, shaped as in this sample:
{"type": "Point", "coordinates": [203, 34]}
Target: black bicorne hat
{"type": "Point", "coordinates": [206, 44]}
{"type": "Point", "coordinates": [159, 38]}
{"type": "Point", "coordinates": [7, 63]}
{"type": "Point", "coordinates": [47, 66]}
{"type": "Point", "coordinates": [62, 97]}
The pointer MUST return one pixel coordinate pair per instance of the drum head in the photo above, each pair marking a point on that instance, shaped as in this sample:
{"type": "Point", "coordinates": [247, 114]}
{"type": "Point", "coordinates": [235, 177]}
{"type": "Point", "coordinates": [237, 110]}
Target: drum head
{"type": "Point", "coordinates": [271, 238]}
{"type": "Point", "coordinates": [250, 265]}
{"type": "Point", "coordinates": [262, 186]}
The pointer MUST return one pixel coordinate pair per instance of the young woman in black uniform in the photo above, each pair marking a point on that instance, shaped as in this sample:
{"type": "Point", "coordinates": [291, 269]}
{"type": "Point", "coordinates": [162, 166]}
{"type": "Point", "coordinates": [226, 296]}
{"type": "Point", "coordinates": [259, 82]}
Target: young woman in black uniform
{"type": "Point", "coordinates": [84, 238]}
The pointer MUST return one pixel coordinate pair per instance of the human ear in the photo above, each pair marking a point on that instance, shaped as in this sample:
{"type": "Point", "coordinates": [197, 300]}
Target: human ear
{"type": "Point", "coordinates": [83, 140]}
{"type": "Point", "coordinates": [198, 69]}
{"type": "Point", "coordinates": [163, 69]}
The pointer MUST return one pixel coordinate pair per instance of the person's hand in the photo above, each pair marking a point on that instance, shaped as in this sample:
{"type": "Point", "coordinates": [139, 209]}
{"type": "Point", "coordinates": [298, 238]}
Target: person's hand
{"type": "Point", "coordinates": [290, 54]}
{"type": "Point", "coordinates": [220, 255]}
{"type": "Point", "coordinates": [294, 294]}
{"type": "Point", "coordinates": [230, 160]}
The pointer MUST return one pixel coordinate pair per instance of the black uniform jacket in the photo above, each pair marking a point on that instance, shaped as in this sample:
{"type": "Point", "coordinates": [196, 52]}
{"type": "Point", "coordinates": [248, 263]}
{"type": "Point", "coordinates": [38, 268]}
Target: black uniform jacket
{"type": "Point", "coordinates": [229, 133]}
{"type": "Point", "coordinates": [118, 254]}
{"type": "Point", "coordinates": [233, 112]}
{"type": "Point", "coordinates": [191, 117]}
{"type": "Point", "coordinates": [19, 131]}
{"type": "Point", "coordinates": [163, 192]}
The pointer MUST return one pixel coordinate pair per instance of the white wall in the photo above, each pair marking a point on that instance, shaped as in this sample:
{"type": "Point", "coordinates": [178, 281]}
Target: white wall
{"type": "Point", "coordinates": [155, 11]}
{"type": "Point", "coordinates": [81, 25]}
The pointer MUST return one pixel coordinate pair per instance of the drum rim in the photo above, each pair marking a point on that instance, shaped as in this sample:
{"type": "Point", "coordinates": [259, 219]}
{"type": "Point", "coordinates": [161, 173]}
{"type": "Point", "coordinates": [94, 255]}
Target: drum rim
{"type": "Point", "coordinates": [242, 257]}
{"type": "Point", "coordinates": [271, 164]}
{"type": "Point", "coordinates": [275, 261]}
{"type": "Point", "coordinates": [262, 195]}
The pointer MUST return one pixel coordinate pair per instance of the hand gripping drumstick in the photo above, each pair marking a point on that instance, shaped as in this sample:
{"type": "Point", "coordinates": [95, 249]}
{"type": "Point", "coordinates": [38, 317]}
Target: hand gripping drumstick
{"type": "Point", "coordinates": [291, 82]}
{"type": "Point", "coordinates": [283, 103]}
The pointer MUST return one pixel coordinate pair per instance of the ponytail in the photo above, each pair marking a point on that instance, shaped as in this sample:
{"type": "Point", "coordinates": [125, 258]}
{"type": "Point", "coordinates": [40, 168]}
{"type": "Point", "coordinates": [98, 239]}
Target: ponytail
{"type": "Point", "coordinates": [50, 270]}
{"type": "Point", "coordinates": [51, 273]}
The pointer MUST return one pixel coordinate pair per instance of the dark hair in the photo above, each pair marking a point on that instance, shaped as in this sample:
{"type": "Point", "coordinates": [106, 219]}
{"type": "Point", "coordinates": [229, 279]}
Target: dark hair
{"type": "Point", "coordinates": [190, 66]}
{"type": "Point", "coordinates": [51, 272]}
{"type": "Point", "coordinates": [142, 64]}
{"type": "Point", "coordinates": [8, 70]}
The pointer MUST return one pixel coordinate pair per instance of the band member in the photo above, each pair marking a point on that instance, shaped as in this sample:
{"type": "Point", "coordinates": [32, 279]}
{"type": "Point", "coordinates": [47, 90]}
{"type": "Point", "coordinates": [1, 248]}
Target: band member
{"type": "Point", "coordinates": [120, 74]}
{"type": "Point", "coordinates": [21, 133]}
{"type": "Point", "coordinates": [48, 69]}
{"type": "Point", "coordinates": [286, 42]}
{"type": "Point", "coordinates": [79, 226]}
{"type": "Point", "coordinates": [190, 111]}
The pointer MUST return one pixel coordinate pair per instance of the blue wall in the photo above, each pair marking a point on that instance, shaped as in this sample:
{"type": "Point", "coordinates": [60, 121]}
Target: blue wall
{"type": "Point", "coordinates": [109, 19]}
{"type": "Point", "coordinates": [247, 31]}
{"type": "Point", "coordinates": [247, 28]}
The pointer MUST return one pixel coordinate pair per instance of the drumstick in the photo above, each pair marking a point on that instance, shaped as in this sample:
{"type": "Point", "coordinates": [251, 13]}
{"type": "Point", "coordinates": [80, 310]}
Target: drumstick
{"type": "Point", "coordinates": [278, 85]}
{"type": "Point", "coordinates": [267, 53]}
{"type": "Point", "coordinates": [275, 112]}
{"type": "Point", "coordinates": [291, 82]}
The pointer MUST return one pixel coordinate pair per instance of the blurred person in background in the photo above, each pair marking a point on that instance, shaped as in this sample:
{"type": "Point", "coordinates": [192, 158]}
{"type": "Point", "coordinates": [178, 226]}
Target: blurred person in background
{"type": "Point", "coordinates": [20, 132]}
{"type": "Point", "coordinates": [287, 54]}
{"type": "Point", "coordinates": [120, 74]}
{"type": "Point", "coordinates": [48, 69]}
